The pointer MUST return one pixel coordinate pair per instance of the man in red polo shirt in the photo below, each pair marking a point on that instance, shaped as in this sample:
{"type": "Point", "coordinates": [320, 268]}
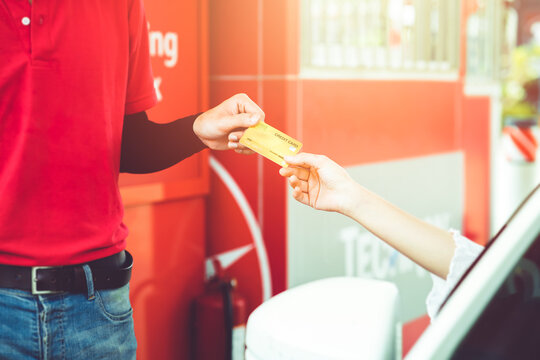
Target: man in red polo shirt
{"type": "Point", "coordinates": [75, 80]}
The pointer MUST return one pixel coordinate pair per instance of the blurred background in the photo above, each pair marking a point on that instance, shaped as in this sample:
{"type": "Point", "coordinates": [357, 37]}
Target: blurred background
{"type": "Point", "coordinates": [432, 104]}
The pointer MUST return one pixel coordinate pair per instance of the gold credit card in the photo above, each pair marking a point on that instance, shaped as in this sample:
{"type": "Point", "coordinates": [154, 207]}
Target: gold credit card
{"type": "Point", "coordinates": [270, 143]}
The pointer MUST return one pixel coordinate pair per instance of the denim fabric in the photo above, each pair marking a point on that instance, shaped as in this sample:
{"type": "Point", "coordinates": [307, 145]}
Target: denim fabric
{"type": "Point", "coordinates": [96, 325]}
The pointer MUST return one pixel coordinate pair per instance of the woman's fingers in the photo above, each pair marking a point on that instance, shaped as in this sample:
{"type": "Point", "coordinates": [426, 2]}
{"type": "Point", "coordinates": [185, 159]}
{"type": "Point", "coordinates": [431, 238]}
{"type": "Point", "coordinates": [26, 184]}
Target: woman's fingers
{"type": "Point", "coordinates": [299, 172]}
{"type": "Point", "coordinates": [300, 196]}
{"type": "Point", "coordinates": [298, 184]}
{"type": "Point", "coordinates": [306, 160]}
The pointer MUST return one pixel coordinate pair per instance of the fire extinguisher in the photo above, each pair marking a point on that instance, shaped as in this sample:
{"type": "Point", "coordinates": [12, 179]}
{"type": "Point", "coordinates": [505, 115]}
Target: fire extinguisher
{"type": "Point", "coordinates": [220, 318]}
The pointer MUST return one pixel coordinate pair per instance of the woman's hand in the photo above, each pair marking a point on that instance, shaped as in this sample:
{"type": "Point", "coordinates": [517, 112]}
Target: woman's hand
{"type": "Point", "coordinates": [320, 183]}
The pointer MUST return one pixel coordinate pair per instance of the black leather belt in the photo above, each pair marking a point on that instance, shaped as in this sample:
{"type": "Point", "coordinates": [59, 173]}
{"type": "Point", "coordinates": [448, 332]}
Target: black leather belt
{"type": "Point", "coordinates": [111, 272]}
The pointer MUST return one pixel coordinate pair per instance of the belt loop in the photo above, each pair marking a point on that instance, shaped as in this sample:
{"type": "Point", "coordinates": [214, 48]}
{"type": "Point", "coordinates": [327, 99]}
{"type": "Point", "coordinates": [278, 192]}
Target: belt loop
{"type": "Point", "coordinates": [89, 282]}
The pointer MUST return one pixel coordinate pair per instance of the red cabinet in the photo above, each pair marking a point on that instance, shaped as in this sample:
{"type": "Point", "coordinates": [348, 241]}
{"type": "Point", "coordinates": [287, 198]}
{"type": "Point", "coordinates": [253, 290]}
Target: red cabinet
{"type": "Point", "coordinates": [165, 211]}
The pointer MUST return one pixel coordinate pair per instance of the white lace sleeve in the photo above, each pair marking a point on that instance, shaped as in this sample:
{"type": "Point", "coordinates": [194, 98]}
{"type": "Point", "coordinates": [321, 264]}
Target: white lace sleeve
{"type": "Point", "coordinates": [466, 252]}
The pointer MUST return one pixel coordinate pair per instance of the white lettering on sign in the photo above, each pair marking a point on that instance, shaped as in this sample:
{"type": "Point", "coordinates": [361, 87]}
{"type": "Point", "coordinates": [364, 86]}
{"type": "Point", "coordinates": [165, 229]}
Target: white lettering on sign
{"type": "Point", "coordinates": [157, 84]}
{"type": "Point", "coordinates": [368, 256]}
{"type": "Point", "coordinates": [164, 45]}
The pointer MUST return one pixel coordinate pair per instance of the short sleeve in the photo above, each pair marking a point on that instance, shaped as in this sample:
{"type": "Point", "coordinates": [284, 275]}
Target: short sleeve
{"type": "Point", "coordinates": [465, 254]}
{"type": "Point", "coordinates": [141, 94]}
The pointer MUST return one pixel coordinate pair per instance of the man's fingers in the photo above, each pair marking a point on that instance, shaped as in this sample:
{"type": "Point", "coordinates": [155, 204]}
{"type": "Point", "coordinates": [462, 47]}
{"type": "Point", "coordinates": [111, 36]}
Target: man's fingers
{"type": "Point", "coordinates": [235, 145]}
{"type": "Point", "coordinates": [245, 105]}
{"type": "Point", "coordinates": [236, 135]}
{"type": "Point", "coordinates": [232, 123]}
{"type": "Point", "coordinates": [244, 151]}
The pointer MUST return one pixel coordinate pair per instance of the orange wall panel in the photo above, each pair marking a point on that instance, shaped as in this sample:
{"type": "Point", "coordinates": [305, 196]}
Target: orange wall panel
{"type": "Point", "coordinates": [166, 241]}
{"type": "Point", "coordinates": [358, 121]}
{"type": "Point", "coordinates": [280, 35]}
{"type": "Point", "coordinates": [476, 129]}
{"type": "Point", "coordinates": [233, 34]}
{"type": "Point", "coordinates": [276, 100]}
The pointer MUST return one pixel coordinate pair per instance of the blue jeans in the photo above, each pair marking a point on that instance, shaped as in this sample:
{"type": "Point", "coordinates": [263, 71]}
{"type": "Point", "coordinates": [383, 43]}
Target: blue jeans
{"type": "Point", "coordinates": [96, 325]}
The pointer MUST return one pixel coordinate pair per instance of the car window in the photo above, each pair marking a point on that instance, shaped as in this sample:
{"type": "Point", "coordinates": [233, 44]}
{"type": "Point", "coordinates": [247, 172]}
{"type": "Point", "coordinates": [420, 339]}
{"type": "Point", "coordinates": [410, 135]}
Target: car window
{"type": "Point", "coordinates": [509, 326]}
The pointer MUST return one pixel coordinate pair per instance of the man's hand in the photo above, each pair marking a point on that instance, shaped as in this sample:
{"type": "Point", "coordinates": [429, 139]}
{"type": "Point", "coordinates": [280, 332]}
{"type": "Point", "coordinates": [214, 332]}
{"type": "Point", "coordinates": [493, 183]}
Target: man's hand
{"type": "Point", "coordinates": [222, 127]}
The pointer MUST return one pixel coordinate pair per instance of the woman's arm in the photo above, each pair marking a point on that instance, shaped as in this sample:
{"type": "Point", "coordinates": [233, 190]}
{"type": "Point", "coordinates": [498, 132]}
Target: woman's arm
{"type": "Point", "coordinates": [322, 184]}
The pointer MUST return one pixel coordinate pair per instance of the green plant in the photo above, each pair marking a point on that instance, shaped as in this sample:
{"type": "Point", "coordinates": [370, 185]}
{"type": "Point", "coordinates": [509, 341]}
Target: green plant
{"type": "Point", "coordinates": [520, 88]}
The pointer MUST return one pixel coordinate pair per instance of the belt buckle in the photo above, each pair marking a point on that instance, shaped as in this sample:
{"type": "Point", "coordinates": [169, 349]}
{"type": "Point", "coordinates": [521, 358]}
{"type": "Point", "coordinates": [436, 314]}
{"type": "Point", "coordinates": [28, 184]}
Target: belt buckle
{"type": "Point", "coordinates": [35, 291]}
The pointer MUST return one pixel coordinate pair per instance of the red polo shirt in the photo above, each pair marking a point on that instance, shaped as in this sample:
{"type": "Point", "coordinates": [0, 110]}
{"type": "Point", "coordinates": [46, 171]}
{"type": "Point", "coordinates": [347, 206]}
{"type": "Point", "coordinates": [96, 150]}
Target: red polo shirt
{"type": "Point", "coordinates": [69, 71]}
